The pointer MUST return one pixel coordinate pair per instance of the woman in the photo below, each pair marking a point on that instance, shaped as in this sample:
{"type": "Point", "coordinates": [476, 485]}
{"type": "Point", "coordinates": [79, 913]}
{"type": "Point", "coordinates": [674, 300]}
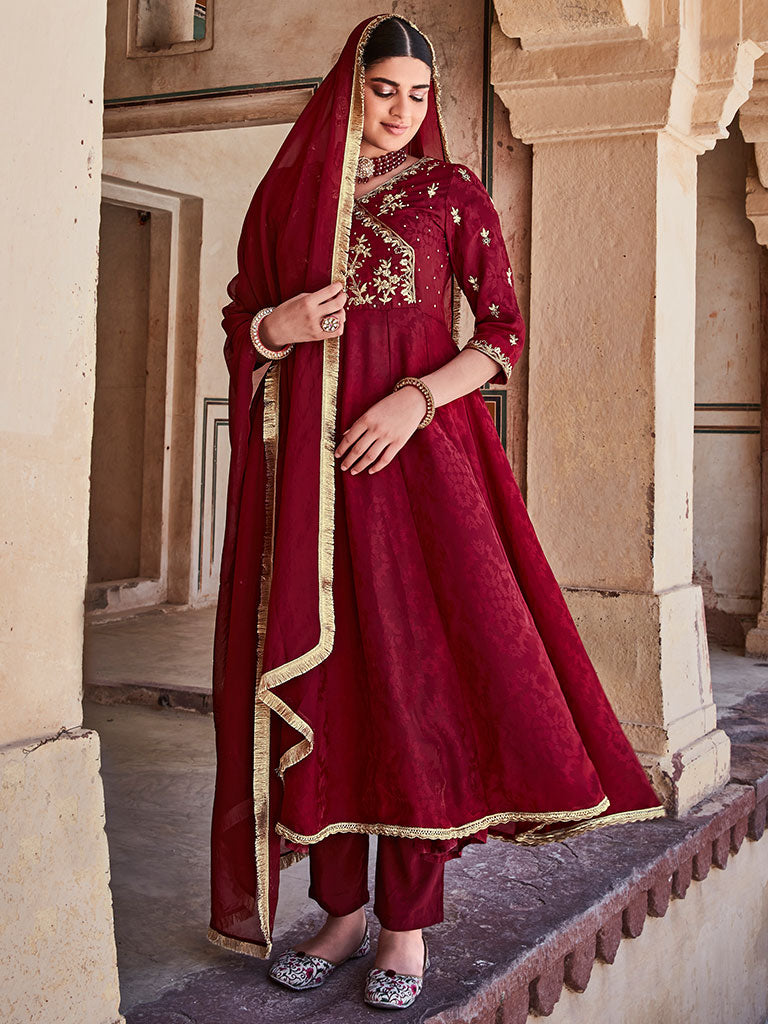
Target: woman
{"type": "Point", "coordinates": [393, 654]}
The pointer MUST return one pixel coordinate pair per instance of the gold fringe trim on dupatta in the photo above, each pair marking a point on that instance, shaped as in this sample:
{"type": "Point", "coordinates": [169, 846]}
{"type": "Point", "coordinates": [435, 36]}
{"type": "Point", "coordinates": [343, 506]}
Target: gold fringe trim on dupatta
{"type": "Point", "coordinates": [238, 945]}
{"type": "Point", "coordinates": [261, 716]}
{"type": "Point", "coordinates": [292, 857]}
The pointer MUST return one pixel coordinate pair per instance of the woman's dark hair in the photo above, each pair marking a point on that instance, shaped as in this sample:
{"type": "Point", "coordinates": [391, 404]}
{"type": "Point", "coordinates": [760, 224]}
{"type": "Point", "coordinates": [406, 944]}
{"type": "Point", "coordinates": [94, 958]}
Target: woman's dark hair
{"type": "Point", "coordinates": [396, 37]}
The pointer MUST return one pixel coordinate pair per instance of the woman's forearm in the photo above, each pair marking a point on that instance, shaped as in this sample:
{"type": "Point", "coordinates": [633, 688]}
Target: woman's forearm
{"type": "Point", "coordinates": [468, 370]}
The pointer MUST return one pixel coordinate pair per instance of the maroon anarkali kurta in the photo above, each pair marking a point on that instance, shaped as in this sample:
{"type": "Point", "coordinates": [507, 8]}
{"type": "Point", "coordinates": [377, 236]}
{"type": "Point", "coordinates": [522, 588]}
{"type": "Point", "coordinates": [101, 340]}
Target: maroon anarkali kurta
{"type": "Point", "coordinates": [458, 700]}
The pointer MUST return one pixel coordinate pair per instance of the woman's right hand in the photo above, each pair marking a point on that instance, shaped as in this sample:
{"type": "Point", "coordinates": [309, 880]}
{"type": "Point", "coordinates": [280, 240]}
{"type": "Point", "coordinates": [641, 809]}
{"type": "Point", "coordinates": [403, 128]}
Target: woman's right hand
{"type": "Point", "coordinates": [298, 319]}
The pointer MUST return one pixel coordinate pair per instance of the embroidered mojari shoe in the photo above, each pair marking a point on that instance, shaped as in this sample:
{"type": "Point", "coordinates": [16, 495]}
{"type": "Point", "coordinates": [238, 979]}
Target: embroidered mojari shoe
{"type": "Point", "coordinates": [299, 970]}
{"type": "Point", "coordinates": [385, 987]}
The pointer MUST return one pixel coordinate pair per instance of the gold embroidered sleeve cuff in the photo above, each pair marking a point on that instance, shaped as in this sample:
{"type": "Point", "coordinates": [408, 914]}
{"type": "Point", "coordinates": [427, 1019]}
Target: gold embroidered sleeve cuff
{"type": "Point", "coordinates": [495, 353]}
{"type": "Point", "coordinates": [264, 352]}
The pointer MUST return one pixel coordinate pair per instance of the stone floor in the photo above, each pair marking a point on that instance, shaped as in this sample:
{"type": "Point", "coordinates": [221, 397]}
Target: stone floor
{"type": "Point", "coordinates": [160, 647]}
{"type": "Point", "coordinates": [158, 768]}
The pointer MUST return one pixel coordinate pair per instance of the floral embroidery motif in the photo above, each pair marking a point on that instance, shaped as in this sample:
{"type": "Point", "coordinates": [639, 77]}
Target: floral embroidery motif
{"type": "Point", "coordinates": [385, 278]}
{"type": "Point", "coordinates": [464, 173]}
{"type": "Point", "coordinates": [474, 282]}
{"type": "Point", "coordinates": [431, 189]}
{"type": "Point", "coordinates": [485, 235]}
{"type": "Point", "coordinates": [358, 290]}
{"type": "Point", "coordinates": [513, 339]}
{"type": "Point", "coordinates": [392, 202]}
{"type": "Point", "coordinates": [456, 215]}
{"type": "Point", "coordinates": [493, 309]}
{"type": "Point", "coordinates": [495, 353]}
{"type": "Point", "coordinates": [509, 277]}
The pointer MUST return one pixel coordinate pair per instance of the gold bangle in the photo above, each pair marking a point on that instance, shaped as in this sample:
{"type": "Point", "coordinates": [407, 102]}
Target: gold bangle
{"type": "Point", "coordinates": [417, 382]}
{"type": "Point", "coordinates": [258, 344]}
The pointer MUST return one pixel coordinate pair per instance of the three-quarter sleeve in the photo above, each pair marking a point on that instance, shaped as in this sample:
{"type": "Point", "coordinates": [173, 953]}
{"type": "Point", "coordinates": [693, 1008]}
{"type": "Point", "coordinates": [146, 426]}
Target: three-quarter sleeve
{"type": "Point", "coordinates": [481, 263]}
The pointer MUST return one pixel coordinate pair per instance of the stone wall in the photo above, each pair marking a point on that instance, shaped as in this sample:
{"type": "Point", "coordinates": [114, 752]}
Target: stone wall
{"type": "Point", "coordinates": [57, 952]}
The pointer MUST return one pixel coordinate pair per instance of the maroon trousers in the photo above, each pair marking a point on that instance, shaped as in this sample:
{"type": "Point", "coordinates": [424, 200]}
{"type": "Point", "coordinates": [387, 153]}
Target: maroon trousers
{"type": "Point", "coordinates": [409, 887]}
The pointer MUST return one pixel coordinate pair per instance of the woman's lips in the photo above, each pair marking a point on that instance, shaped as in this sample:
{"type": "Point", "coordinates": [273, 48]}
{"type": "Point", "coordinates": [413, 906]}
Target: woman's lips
{"type": "Point", "coordinates": [394, 129]}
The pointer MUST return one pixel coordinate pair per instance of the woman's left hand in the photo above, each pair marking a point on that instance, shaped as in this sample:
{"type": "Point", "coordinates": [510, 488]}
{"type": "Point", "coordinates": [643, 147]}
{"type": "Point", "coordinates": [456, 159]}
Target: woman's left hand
{"type": "Point", "coordinates": [379, 434]}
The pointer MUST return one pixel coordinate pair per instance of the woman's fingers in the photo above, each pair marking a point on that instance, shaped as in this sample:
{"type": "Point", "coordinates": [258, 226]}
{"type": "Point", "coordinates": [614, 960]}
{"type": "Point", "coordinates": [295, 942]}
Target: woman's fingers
{"type": "Point", "coordinates": [352, 446]}
{"type": "Point", "coordinates": [389, 452]}
{"type": "Point", "coordinates": [328, 301]}
{"type": "Point", "coordinates": [330, 290]}
{"type": "Point", "coordinates": [370, 456]}
{"type": "Point", "coordinates": [351, 434]}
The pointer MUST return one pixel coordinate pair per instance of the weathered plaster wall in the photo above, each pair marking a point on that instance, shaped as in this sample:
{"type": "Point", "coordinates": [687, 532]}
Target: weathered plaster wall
{"type": "Point", "coordinates": [222, 168]}
{"type": "Point", "coordinates": [57, 950]}
{"type": "Point", "coordinates": [278, 43]}
{"type": "Point", "coordinates": [57, 954]}
{"type": "Point", "coordinates": [726, 497]}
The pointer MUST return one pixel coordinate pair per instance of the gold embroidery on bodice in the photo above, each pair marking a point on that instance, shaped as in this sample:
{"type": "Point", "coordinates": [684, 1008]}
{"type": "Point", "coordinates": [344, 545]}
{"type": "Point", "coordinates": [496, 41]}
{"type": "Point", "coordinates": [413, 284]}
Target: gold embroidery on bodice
{"type": "Point", "coordinates": [384, 278]}
{"type": "Point", "coordinates": [379, 283]}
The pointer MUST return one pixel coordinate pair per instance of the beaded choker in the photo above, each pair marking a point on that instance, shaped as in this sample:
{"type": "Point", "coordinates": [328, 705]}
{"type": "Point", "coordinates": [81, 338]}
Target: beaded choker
{"type": "Point", "coordinates": [370, 167]}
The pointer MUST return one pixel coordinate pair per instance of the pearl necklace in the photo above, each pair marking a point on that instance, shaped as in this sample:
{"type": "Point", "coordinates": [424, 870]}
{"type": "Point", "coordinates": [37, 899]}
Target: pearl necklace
{"type": "Point", "coordinates": [371, 167]}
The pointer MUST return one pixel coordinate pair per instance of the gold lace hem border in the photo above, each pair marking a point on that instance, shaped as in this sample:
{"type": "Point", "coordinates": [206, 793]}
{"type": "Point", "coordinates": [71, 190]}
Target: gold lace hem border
{"type": "Point", "coordinates": [532, 836]}
{"type": "Point", "coordinates": [450, 832]}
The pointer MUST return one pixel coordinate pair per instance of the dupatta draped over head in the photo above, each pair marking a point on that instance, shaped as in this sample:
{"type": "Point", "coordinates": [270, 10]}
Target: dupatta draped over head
{"type": "Point", "coordinates": [295, 239]}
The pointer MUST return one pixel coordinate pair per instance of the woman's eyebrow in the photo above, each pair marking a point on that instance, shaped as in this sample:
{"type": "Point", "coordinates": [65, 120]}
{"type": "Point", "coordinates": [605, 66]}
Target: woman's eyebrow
{"type": "Point", "coordinates": [396, 84]}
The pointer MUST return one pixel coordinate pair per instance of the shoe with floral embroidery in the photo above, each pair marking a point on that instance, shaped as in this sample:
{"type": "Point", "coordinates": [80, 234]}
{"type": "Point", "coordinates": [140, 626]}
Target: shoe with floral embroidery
{"type": "Point", "coordinates": [385, 987]}
{"type": "Point", "coordinates": [299, 970]}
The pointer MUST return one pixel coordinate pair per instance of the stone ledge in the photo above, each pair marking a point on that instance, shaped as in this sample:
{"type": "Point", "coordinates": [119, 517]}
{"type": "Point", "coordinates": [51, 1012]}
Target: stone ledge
{"type": "Point", "coordinates": [520, 923]}
{"type": "Point", "coordinates": [659, 858]}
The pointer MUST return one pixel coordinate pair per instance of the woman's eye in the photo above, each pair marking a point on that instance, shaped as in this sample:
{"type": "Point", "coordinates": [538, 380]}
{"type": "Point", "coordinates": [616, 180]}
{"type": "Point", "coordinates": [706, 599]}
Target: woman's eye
{"type": "Point", "coordinates": [386, 95]}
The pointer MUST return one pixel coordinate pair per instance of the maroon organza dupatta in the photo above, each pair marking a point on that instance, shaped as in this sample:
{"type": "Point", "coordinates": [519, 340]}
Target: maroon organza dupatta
{"type": "Point", "coordinates": [294, 239]}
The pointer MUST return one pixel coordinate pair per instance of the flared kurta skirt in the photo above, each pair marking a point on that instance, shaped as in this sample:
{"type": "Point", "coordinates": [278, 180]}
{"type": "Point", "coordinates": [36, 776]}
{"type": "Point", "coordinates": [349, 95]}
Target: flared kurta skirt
{"type": "Point", "coordinates": [458, 700]}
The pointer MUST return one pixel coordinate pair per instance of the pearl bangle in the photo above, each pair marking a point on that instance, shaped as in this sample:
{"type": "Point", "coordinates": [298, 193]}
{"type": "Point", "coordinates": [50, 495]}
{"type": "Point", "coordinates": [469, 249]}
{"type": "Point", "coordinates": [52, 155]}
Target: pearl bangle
{"type": "Point", "coordinates": [257, 343]}
{"type": "Point", "coordinates": [424, 389]}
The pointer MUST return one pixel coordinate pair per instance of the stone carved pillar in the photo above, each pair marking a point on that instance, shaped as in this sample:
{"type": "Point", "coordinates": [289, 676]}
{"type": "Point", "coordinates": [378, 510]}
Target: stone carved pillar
{"type": "Point", "coordinates": [618, 99]}
{"type": "Point", "coordinates": [753, 120]}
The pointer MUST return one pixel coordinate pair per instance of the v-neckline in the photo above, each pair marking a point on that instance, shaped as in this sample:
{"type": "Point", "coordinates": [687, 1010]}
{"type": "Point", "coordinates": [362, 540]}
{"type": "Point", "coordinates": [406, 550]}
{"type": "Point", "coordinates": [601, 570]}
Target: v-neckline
{"type": "Point", "coordinates": [389, 181]}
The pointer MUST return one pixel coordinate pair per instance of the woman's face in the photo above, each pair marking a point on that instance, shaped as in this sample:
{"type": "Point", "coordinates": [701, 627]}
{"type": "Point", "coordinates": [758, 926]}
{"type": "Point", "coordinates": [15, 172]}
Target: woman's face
{"type": "Point", "coordinates": [396, 93]}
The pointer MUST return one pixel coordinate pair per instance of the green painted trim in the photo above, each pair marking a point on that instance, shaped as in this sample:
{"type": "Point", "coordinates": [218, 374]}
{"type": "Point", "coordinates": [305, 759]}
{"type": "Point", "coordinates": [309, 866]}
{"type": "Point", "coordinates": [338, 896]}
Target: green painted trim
{"type": "Point", "coordinates": [224, 90]}
{"type": "Point", "coordinates": [741, 406]}
{"type": "Point", "coordinates": [206, 403]}
{"type": "Point", "coordinates": [217, 424]}
{"type": "Point", "coordinates": [726, 430]}
{"type": "Point", "coordinates": [498, 396]}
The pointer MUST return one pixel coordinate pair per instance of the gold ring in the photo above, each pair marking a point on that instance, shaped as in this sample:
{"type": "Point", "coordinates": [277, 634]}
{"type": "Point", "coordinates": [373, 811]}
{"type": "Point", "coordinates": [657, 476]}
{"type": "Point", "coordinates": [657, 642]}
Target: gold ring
{"type": "Point", "coordinates": [330, 323]}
